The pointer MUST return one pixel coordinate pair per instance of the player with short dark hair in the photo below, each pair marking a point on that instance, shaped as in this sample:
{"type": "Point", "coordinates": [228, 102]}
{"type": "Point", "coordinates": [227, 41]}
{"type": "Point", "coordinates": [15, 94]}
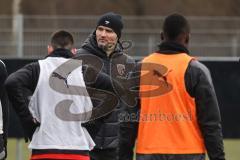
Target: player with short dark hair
{"type": "Point", "coordinates": [179, 114]}
{"type": "Point", "coordinates": [62, 39]}
{"type": "Point", "coordinates": [51, 97]}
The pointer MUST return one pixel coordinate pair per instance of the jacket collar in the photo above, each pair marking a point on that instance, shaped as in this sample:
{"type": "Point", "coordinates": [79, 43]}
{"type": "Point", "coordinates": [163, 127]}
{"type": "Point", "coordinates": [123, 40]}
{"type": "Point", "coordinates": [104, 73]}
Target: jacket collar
{"type": "Point", "coordinates": [61, 52]}
{"type": "Point", "coordinates": [172, 48]}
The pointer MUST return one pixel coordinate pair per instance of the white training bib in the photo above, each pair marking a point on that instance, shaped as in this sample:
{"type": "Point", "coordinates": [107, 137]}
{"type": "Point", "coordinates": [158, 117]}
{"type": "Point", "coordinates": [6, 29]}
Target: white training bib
{"type": "Point", "coordinates": [55, 87]}
{"type": "Point", "coordinates": [1, 119]}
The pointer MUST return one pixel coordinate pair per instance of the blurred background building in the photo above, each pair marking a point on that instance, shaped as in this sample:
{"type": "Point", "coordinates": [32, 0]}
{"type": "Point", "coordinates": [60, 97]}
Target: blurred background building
{"type": "Point", "coordinates": [26, 25]}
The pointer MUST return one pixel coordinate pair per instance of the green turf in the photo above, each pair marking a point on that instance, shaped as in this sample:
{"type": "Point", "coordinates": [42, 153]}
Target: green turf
{"type": "Point", "coordinates": [12, 150]}
{"type": "Point", "coordinates": [232, 149]}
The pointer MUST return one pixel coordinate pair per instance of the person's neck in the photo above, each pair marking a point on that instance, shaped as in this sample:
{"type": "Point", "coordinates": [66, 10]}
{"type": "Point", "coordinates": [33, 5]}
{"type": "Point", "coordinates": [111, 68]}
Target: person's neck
{"type": "Point", "coordinates": [108, 49]}
{"type": "Point", "coordinates": [109, 52]}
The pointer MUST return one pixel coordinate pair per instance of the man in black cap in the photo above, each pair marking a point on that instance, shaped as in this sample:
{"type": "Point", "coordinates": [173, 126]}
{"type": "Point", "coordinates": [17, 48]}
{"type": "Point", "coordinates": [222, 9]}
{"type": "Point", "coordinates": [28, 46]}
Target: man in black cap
{"type": "Point", "coordinates": [108, 32]}
{"type": "Point", "coordinates": [104, 44]}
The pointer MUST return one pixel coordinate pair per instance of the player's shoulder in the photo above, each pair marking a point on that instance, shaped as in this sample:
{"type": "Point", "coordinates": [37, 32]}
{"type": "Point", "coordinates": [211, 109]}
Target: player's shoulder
{"type": "Point", "coordinates": [2, 65]}
{"type": "Point", "coordinates": [198, 69]}
{"type": "Point", "coordinates": [198, 66]}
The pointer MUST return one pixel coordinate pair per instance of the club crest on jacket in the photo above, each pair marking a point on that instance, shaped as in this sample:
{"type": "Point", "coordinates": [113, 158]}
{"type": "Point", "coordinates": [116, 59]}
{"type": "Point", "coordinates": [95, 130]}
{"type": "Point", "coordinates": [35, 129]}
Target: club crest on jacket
{"type": "Point", "coordinates": [121, 69]}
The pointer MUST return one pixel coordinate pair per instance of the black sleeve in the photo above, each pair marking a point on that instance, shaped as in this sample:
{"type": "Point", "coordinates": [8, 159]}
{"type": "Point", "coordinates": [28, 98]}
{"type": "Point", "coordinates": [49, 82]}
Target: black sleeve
{"type": "Point", "coordinates": [101, 79]}
{"type": "Point", "coordinates": [20, 86]}
{"type": "Point", "coordinates": [93, 76]}
{"type": "Point", "coordinates": [129, 124]}
{"type": "Point", "coordinates": [97, 83]}
{"type": "Point", "coordinates": [199, 85]}
{"type": "Point", "coordinates": [4, 103]}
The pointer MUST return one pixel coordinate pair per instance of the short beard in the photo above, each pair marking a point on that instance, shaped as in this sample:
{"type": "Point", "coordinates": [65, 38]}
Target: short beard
{"type": "Point", "coordinates": [107, 48]}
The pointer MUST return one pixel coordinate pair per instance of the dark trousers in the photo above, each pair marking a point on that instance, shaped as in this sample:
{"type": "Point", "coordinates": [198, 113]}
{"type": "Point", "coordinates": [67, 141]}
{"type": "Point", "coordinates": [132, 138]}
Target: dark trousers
{"type": "Point", "coordinates": [104, 154]}
{"type": "Point", "coordinates": [170, 157]}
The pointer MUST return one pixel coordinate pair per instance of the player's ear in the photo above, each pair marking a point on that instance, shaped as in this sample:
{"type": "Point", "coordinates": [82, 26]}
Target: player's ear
{"type": "Point", "coordinates": [162, 36]}
{"type": "Point", "coordinates": [50, 48]}
{"type": "Point", "coordinates": [74, 50]}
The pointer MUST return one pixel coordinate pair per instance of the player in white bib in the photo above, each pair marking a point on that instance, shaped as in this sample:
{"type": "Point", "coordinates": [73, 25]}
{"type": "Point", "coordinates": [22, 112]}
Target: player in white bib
{"type": "Point", "coordinates": [51, 98]}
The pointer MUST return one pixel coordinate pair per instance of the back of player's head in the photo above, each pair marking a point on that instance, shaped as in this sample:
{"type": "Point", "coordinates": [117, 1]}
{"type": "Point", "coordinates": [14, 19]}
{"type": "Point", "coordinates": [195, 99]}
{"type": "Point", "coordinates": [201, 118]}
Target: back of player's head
{"type": "Point", "coordinates": [174, 25]}
{"type": "Point", "coordinates": [62, 39]}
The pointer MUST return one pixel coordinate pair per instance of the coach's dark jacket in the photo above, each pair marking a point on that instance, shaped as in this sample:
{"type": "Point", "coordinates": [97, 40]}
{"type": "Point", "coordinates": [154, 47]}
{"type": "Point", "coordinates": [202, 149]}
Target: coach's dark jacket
{"type": "Point", "coordinates": [119, 66]}
{"type": "Point", "coordinates": [199, 85]}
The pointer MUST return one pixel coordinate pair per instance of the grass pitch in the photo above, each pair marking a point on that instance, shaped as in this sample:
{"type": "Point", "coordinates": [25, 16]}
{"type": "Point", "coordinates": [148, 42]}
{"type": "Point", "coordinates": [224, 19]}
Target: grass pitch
{"type": "Point", "coordinates": [17, 149]}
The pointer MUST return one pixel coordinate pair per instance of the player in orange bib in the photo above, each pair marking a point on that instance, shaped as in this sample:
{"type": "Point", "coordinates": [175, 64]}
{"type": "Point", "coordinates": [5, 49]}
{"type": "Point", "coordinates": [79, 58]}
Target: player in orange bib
{"type": "Point", "coordinates": [179, 116]}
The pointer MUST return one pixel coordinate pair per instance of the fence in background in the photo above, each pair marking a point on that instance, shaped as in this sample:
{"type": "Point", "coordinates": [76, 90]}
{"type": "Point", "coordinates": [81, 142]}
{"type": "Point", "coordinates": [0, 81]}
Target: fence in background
{"type": "Point", "coordinates": [226, 80]}
{"type": "Point", "coordinates": [28, 36]}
